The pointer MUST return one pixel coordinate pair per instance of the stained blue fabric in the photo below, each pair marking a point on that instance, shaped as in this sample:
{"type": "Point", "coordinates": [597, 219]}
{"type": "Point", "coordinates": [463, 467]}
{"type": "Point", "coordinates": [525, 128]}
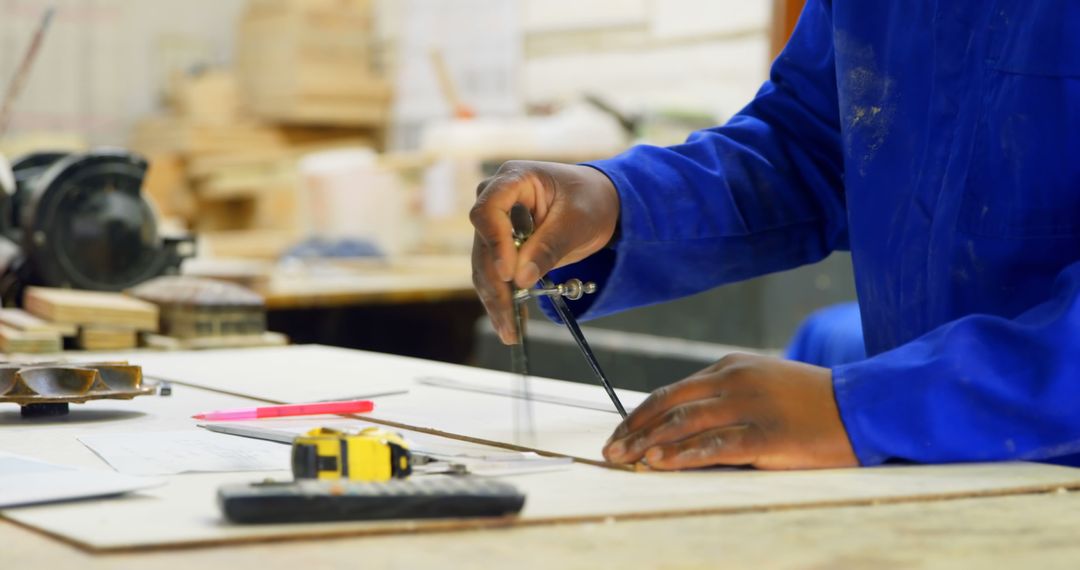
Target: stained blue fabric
{"type": "Point", "coordinates": [829, 337]}
{"type": "Point", "coordinates": [939, 141]}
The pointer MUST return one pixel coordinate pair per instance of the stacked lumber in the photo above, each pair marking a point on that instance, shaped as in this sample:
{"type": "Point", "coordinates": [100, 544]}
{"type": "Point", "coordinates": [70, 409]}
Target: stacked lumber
{"type": "Point", "coordinates": [107, 338]}
{"type": "Point", "coordinates": [195, 137]}
{"type": "Point", "coordinates": [103, 321]}
{"type": "Point", "coordinates": [199, 313]}
{"type": "Point", "coordinates": [175, 142]}
{"type": "Point", "coordinates": [208, 97]}
{"type": "Point", "coordinates": [224, 156]}
{"type": "Point", "coordinates": [232, 177]}
{"type": "Point", "coordinates": [311, 62]}
{"type": "Point", "coordinates": [19, 319]}
{"type": "Point", "coordinates": [15, 341]}
{"type": "Point", "coordinates": [21, 332]}
{"type": "Point", "coordinates": [179, 134]}
{"type": "Point", "coordinates": [249, 193]}
{"type": "Point", "coordinates": [249, 245]}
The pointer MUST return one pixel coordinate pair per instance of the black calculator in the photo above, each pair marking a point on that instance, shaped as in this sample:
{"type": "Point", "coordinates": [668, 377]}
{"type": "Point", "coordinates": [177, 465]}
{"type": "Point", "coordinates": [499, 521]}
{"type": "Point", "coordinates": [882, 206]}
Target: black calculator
{"type": "Point", "coordinates": [417, 498]}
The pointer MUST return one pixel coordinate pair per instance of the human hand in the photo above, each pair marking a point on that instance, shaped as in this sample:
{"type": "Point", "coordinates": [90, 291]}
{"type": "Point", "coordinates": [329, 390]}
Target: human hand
{"type": "Point", "coordinates": [743, 410]}
{"type": "Point", "coordinates": [575, 211]}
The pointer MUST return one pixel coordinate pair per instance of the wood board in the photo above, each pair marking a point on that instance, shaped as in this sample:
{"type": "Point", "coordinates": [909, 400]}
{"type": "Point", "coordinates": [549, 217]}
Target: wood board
{"type": "Point", "coordinates": [91, 308]}
{"type": "Point", "coordinates": [163, 342]}
{"type": "Point", "coordinates": [107, 338]}
{"type": "Point", "coordinates": [20, 319]}
{"type": "Point", "coordinates": [1020, 531]}
{"type": "Point", "coordinates": [296, 374]}
{"type": "Point", "coordinates": [182, 514]}
{"type": "Point", "coordinates": [173, 134]}
{"type": "Point", "coordinates": [13, 340]}
{"type": "Point", "coordinates": [304, 63]}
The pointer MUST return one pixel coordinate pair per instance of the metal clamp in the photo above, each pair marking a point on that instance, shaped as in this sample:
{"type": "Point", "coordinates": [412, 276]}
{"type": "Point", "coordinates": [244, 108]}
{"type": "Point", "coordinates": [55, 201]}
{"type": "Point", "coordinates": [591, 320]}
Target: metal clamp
{"type": "Point", "coordinates": [573, 289]}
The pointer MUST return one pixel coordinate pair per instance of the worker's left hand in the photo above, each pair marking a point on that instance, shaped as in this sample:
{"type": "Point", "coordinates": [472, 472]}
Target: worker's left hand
{"type": "Point", "coordinates": [743, 410]}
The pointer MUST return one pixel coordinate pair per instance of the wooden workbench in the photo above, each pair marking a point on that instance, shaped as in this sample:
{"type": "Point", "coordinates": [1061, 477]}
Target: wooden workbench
{"type": "Point", "coordinates": [392, 286]}
{"type": "Point", "coordinates": [421, 306]}
{"type": "Point", "coordinates": [343, 283]}
{"type": "Point", "coordinates": [1026, 531]}
{"type": "Point", "coordinates": [945, 530]}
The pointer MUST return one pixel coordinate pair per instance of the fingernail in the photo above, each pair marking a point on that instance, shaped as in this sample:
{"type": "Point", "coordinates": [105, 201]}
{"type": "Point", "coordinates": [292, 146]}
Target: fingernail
{"type": "Point", "coordinates": [530, 274]}
{"type": "Point", "coordinates": [616, 450]}
{"type": "Point", "coordinates": [503, 270]}
{"type": "Point", "coordinates": [653, 455]}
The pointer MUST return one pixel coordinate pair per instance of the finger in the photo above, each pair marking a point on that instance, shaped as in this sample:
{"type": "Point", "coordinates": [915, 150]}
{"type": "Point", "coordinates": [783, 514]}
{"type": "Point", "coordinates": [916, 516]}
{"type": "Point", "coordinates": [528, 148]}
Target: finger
{"type": "Point", "coordinates": [676, 424]}
{"type": "Point", "coordinates": [493, 292]}
{"type": "Point", "coordinates": [490, 215]}
{"type": "Point", "coordinates": [666, 398]}
{"type": "Point", "coordinates": [732, 445]}
{"type": "Point", "coordinates": [483, 185]}
{"type": "Point", "coordinates": [712, 381]}
{"type": "Point", "coordinates": [548, 246]}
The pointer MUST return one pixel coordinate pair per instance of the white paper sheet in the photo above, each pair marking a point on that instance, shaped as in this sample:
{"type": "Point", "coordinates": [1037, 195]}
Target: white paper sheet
{"type": "Point", "coordinates": [186, 451]}
{"type": "Point", "coordinates": [26, 481]}
{"type": "Point", "coordinates": [560, 429]}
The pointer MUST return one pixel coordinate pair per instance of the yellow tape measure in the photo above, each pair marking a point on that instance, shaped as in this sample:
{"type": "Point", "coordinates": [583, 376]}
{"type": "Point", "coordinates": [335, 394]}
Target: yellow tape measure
{"type": "Point", "coordinates": [372, 454]}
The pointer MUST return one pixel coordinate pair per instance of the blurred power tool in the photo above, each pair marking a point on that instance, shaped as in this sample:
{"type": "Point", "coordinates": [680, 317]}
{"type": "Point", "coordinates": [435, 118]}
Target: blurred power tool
{"type": "Point", "coordinates": [80, 221]}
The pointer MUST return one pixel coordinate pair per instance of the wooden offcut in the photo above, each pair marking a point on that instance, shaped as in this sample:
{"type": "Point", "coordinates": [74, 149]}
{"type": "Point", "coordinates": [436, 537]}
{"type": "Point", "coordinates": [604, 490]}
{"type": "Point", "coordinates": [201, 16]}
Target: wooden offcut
{"type": "Point", "coordinates": [180, 135]}
{"type": "Point", "coordinates": [209, 97]}
{"type": "Point", "coordinates": [311, 63]}
{"type": "Point", "coordinates": [234, 177]}
{"type": "Point", "coordinates": [23, 321]}
{"type": "Point", "coordinates": [13, 340]}
{"type": "Point", "coordinates": [193, 307]}
{"type": "Point", "coordinates": [248, 244]}
{"type": "Point", "coordinates": [107, 338]}
{"type": "Point", "coordinates": [265, 339]}
{"type": "Point", "coordinates": [92, 308]}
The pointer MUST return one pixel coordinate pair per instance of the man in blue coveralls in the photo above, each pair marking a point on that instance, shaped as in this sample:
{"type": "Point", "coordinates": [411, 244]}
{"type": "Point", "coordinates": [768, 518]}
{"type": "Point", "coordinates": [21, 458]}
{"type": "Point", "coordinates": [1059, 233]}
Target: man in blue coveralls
{"type": "Point", "coordinates": [938, 141]}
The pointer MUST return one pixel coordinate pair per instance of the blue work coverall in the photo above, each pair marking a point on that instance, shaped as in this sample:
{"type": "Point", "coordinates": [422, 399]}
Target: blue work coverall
{"type": "Point", "coordinates": [939, 142]}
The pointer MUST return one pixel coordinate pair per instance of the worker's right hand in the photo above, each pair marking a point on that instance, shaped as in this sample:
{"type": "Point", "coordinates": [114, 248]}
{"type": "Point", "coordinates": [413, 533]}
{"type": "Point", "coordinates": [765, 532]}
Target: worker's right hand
{"type": "Point", "coordinates": [575, 211]}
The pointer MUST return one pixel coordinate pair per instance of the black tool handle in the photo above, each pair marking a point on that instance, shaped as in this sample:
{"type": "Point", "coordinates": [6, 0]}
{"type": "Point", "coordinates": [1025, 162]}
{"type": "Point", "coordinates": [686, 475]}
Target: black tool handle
{"type": "Point", "coordinates": [579, 337]}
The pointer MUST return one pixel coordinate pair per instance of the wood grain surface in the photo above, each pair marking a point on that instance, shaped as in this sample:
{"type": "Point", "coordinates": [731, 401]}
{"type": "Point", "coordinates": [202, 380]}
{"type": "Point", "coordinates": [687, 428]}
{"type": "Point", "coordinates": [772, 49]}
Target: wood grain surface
{"type": "Point", "coordinates": [182, 514]}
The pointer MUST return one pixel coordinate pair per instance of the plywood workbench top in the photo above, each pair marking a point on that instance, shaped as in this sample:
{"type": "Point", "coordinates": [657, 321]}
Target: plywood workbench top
{"type": "Point", "coordinates": [1025, 531]}
{"type": "Point", "coordinates": [962, 516]}
{"type": "Point", "coordinates": [411, 279]}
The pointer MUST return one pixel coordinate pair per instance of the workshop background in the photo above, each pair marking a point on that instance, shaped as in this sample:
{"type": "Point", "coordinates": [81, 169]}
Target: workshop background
{"type": "Point", "coordinates": [324, 153]}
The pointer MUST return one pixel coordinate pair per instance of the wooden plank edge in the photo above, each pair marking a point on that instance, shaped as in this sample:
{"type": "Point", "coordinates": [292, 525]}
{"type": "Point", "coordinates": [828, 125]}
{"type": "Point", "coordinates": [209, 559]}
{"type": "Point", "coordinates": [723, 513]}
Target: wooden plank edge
{"type": "Point", "coordinates": [284, 300]}
{"type": "Point", "coordinates": [419, 526]}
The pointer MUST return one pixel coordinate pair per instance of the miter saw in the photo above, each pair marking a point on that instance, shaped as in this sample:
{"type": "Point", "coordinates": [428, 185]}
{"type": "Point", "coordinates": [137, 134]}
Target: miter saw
{"type": "Point", "coordinates": [79, 220]}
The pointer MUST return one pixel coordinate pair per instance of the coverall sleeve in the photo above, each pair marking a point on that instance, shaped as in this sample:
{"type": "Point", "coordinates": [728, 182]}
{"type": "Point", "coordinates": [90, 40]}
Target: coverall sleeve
{"type": "Point", "coordinates": [981, 388]}
{"type": "Point", "coordinates": [759, 194]}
